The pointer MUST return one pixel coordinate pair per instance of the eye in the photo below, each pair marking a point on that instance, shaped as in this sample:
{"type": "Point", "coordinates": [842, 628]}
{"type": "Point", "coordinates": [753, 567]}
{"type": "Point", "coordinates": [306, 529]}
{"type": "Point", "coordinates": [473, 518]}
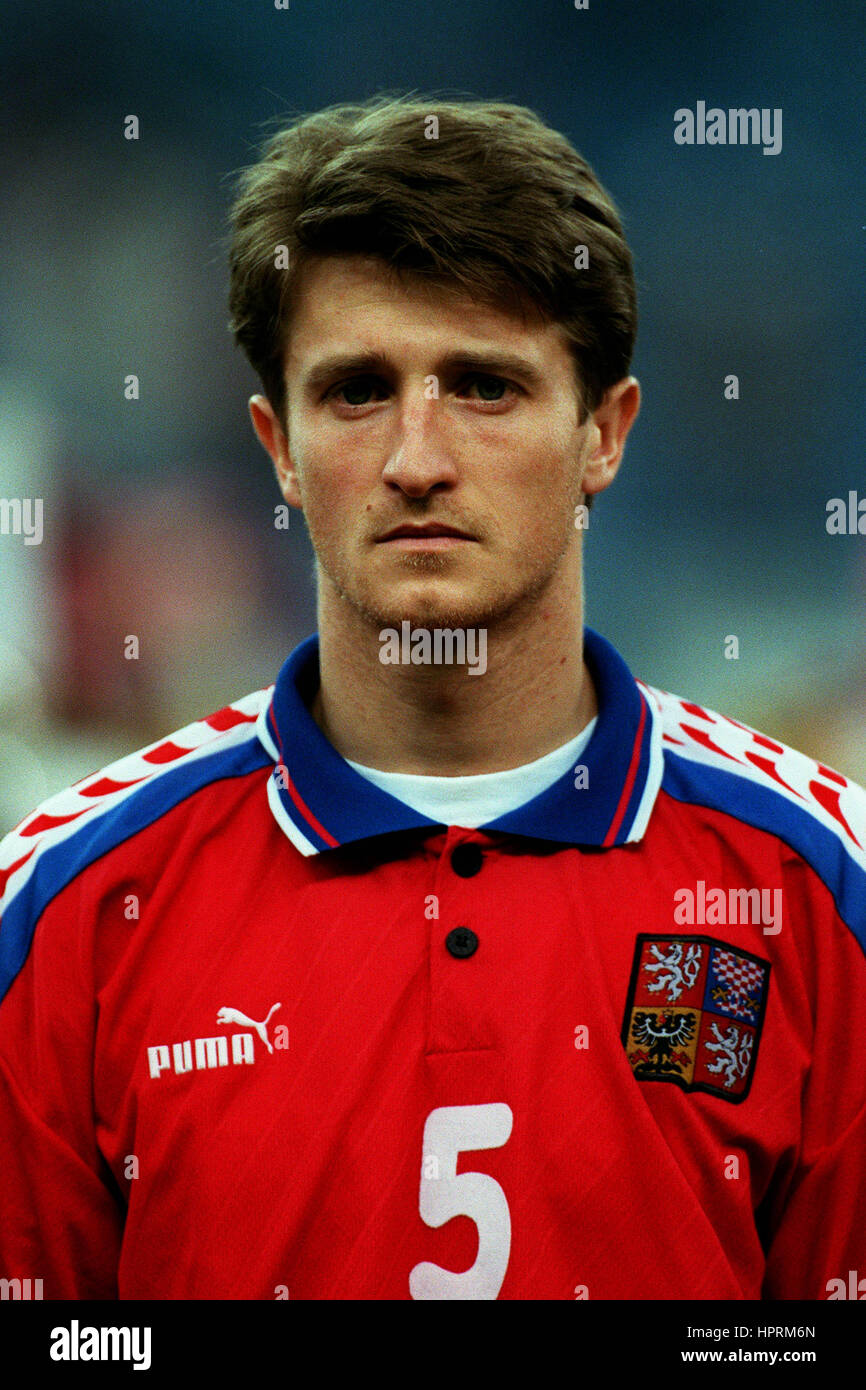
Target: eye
{"type": "Point", "coordinates": [490, 388]}
{"type": "Point", "coordinates": [357, 391]}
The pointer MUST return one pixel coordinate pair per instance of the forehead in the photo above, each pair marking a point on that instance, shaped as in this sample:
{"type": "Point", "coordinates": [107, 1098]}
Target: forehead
{"type": "Point", "coordinates": [359, 300]}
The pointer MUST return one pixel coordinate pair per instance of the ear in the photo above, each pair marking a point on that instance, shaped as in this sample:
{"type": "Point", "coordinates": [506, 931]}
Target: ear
{"type": "Point", "coordinates": [610, 424]}
{"type": "Point", "coordinates": [270, 434]}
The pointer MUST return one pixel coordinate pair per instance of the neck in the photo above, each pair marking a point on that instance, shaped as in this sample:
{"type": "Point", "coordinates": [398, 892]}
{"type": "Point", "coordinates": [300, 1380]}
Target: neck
{"type": "Point", "coordinates": [439, 720]}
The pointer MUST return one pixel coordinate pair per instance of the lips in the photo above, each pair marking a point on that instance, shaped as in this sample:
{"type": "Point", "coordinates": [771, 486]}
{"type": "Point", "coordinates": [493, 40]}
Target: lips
{"type": "Point", "coordinates": [420, 532]}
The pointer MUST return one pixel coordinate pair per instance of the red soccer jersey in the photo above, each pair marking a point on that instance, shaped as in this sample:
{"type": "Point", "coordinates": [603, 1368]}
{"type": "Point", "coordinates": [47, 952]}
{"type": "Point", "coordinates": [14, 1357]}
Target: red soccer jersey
{"type": "Point", "coordinates": [269, 1032]}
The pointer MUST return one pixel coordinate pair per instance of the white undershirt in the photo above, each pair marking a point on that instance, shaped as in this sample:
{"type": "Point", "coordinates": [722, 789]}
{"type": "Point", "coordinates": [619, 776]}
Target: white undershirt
{"type": "Point", "coordinates": [473, 801]}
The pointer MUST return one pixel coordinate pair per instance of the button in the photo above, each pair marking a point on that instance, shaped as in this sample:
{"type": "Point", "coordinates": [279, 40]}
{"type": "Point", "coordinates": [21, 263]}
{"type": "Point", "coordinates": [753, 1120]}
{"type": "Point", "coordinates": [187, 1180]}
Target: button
{"type": "Point", "coordinates": [466, 859]}
{"type": "Point", "coordinates": [462, 942]}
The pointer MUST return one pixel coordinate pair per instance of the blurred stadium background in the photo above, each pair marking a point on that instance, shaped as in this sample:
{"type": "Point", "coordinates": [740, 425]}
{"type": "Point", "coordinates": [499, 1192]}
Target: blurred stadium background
{"type": "Point", "coordinates": [158, 514]}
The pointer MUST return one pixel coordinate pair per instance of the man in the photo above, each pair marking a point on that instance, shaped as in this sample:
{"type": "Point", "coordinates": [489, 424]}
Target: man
{"type": "Point", "coordinates": [459, 964]}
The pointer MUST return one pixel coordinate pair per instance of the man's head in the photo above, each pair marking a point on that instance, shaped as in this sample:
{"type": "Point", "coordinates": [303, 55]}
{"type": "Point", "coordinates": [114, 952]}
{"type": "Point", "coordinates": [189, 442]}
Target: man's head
{"type": "Point", "coordinates": [488, 199]}
{"type": "Point", "coordinates": [435, 347]}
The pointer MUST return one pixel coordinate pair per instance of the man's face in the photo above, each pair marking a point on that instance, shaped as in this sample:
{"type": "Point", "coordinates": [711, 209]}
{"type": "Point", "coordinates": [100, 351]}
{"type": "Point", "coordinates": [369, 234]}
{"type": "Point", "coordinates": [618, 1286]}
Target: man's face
{"type": "Point", "coordinates": [408, 406]}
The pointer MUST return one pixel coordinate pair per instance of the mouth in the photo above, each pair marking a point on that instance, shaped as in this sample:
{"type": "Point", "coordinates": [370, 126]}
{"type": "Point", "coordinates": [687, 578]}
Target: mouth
{"type": "Point", "coordinates": [432, 533]}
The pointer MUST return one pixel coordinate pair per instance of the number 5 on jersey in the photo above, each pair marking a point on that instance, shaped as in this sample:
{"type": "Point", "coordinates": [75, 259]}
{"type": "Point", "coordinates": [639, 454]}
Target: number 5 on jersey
{"type": "Point", "coordinates": [449, 1131]}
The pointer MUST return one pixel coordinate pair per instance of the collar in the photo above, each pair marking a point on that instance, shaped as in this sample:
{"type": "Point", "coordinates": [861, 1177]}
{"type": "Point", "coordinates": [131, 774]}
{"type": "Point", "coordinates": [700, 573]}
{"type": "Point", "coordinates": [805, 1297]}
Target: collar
{"type": "Point", "coordinates": [321, 803]}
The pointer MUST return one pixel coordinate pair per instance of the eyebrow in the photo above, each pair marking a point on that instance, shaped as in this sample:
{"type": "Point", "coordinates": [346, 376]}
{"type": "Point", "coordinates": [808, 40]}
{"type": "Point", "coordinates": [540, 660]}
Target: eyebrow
{"type": "Point", "coordinates": [493, 363]}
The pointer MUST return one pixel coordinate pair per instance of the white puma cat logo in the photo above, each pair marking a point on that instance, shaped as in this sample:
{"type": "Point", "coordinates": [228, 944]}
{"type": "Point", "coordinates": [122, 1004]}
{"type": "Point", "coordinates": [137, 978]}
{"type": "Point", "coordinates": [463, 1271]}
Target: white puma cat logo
{"type": "Point", "coordinates": [235, 1016]}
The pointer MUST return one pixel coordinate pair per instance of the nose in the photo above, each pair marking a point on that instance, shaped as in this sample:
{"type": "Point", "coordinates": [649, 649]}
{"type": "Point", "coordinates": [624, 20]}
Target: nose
{"type": "Point", "coordinates": [420, 458]}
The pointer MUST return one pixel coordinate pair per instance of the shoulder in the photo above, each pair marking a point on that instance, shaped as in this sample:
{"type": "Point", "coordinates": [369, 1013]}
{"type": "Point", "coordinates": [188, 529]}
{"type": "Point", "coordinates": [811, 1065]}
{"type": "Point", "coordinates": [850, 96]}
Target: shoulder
{"type": "Point", "coordinates": [714, 761]}
{"type": "Point", "coordinates": [43, 855]}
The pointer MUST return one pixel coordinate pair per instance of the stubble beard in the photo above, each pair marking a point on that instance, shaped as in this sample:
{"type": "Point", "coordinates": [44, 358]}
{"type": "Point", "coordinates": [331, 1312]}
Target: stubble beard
{"type": "Point", "coordinates": [502, 610]}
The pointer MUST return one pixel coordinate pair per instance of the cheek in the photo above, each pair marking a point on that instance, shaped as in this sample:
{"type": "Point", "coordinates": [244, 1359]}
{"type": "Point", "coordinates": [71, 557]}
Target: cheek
{"type": "Point", "coordinates": [547, 470]}
{"type": "Point", "coordinates": [312, 488]}
{"type": "Point", "coordinates": [332, 496]}
{"type": "Point", "coordinates": [548, 486]}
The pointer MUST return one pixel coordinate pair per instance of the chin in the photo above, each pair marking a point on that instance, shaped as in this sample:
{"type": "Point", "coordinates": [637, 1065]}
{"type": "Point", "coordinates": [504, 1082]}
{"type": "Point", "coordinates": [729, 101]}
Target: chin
{"type": "Point", "coordinates": [431, 601]}
{"type": "Point", "coordinates": [441, 610]}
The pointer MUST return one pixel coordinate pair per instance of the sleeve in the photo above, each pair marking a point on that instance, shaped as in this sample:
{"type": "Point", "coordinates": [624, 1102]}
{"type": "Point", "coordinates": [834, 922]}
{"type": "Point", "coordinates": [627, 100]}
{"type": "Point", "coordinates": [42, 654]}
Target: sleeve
{"type": "Point", "coordinates": [819, 1224]}
{"type": "Point", "coordinates": [61, 1216]}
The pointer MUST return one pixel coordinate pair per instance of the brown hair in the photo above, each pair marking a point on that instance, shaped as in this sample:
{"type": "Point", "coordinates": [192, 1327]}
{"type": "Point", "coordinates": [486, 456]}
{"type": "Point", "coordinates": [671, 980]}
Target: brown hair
{"type": "Point", "coordinates": [495, 204]}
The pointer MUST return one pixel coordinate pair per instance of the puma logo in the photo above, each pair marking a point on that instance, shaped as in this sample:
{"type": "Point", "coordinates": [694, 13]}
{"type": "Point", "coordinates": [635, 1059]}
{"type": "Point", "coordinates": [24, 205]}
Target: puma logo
{"type": "Point", "coordinates": [235, 1016]}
